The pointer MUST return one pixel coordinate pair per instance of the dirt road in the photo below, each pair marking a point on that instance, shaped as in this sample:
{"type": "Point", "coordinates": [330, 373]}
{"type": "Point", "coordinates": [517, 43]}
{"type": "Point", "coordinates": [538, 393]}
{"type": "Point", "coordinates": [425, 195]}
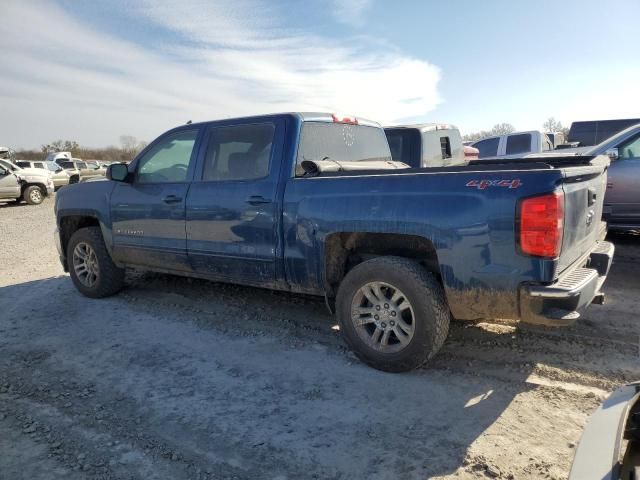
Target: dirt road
{"type": "Point", "coordinates": [185, 379]}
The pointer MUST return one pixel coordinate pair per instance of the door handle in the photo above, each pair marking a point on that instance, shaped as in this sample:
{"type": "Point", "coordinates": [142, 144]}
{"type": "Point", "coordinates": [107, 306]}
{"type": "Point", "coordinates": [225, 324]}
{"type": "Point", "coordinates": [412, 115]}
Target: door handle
{"type": "Point", "coordinates": [257, 200]}
{"type": "Point", "coordinates": [171, 199]}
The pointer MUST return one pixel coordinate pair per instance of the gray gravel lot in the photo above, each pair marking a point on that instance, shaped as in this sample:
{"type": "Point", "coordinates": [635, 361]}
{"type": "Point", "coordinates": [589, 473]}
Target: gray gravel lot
{"type": "Point", "coordinates": [186, 379]}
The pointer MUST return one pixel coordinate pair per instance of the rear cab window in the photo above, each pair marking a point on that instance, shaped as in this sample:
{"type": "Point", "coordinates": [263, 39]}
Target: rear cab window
{"type": "Point", "coordinates": [488, 147]}
{"type": "Point", "coordinates": [520, 143]}
{"type": "Point", "coordinates": [341, 142]}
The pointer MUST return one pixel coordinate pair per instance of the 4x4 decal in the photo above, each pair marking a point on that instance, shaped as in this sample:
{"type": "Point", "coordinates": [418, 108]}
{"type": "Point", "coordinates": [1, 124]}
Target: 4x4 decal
{"type": "Point", "coordinates": [482, 184]}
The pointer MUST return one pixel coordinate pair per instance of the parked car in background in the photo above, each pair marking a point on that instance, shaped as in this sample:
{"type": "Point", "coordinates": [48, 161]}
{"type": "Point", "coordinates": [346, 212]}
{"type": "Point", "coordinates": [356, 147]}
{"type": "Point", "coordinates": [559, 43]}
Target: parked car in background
{"type": "Point", "coordinates": [622, 199]}
{"type": "Point", "coordinates": [513, 145]}
{"type": "Point", "coordinates": [88, 169]}
{"type": "Point", "coordinates": [426, 145]}
{"type": "Point", "coordinates": [556, 138]}
{"type": "Point", "coordinates": [313, 203]}
{"type": "Point", "coordinates": [593, 132]}
{"type": "Point", "coordinates": [60, 175]}
{"type": "Point", "coordinates": [10, 185]}
{"type": "Point", "coordinates": [97, 166]}
{"type": "Point", "coordinates": [58, 157]}
{"type": "Point", "coordinates": [36, 182]}
{"type": "Point", "coordinates": [470, 153]}
{"type": "Point", "coordinates": [80, 171]}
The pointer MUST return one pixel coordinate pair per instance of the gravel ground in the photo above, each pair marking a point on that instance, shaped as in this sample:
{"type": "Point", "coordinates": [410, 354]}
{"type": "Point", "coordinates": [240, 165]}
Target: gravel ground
{"type": "Point", "coordinates": [186, 379]}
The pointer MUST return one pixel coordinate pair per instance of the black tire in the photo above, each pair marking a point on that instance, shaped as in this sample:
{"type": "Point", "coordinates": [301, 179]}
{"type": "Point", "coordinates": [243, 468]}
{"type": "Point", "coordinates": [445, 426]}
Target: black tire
{"type": "Point", "coordinates": [429, 310]}
{"type": "Point", "coordinates": [110, 278]}
{"type": "Point", "coordinates": [33, 195]}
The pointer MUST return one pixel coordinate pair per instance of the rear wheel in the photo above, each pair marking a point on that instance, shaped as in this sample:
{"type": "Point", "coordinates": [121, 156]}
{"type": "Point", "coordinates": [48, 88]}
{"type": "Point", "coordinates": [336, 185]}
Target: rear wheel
{"type": "Point", "coordinates": [93, 272]}
{"type": "Point", "coordinates": [33, 195]}
{"type": "Point", "coordinates": [393, 313]}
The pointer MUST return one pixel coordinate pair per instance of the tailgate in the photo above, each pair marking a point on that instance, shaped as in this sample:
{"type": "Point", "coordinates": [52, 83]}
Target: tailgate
{"type": "Point", "coordinates": [584, 188]}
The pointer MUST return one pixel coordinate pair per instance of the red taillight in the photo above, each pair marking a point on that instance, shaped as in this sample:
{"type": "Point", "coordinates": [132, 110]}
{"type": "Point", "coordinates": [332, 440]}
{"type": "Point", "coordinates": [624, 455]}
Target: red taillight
{"type": "Point", "coordinates": [342, 119]}
{"type": "Point", "coordinates": [541, 225]}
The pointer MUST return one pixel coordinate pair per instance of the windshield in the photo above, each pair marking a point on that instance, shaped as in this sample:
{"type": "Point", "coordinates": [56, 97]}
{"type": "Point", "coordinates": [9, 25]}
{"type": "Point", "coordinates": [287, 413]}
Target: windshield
{"type": "Point", "coordinates": [9, 165]}
{"type": "Point", "coordinates": [341, 143]}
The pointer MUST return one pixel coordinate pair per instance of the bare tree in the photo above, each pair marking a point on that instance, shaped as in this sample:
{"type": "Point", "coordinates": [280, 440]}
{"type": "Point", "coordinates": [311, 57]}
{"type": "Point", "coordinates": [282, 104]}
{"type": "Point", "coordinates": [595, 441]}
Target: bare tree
{"type": "Point", "coordinates": [498, 129]}
{"type": "Point", "coordinates": [552, 125]}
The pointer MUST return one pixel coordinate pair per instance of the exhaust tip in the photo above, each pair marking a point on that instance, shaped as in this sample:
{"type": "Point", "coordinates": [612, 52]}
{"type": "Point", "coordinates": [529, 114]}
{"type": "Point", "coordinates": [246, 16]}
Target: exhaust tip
{"type": "Point", "coordinates": [598, 299]}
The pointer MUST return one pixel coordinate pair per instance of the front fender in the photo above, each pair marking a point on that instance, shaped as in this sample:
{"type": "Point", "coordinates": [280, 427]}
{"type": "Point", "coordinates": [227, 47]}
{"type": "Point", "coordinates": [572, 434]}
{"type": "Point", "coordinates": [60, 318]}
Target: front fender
{"type": "Point", "coordinates": [86, 200]}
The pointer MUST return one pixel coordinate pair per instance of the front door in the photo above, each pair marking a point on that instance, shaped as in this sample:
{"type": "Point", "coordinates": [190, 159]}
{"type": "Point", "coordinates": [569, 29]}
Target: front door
{"type": "Point", "coordinates": [9, 186]}
{"type": "Point", "coordinates": [622, 200]}
{"type": "Point", "coordinates": [148, 214]}
{"type": "Point", "coordinates": [232, 207]}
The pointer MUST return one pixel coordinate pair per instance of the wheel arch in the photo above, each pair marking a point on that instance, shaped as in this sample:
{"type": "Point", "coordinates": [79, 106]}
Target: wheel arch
{"type": "Point", "coordinates": [345, 250]}
{"type": "Point", "coordinates": [69, 224]}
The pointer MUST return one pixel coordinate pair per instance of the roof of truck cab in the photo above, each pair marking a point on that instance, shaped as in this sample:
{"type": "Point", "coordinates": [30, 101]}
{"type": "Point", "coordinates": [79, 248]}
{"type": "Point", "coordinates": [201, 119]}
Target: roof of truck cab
{"type": "Point", "coordinates": [426, 127]}
{"type": "Point", "coordinates": [303, 116]}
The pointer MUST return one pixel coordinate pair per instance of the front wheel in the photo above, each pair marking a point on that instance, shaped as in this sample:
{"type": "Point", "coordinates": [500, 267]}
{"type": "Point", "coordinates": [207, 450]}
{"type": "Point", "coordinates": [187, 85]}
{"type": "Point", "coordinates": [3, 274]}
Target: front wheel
{"type": "Point", "coordinates": [33, 195]}
{"type": "Point", "coordinates": [393, 313]}
{"type": "Point", "coordinates": [93, 272]}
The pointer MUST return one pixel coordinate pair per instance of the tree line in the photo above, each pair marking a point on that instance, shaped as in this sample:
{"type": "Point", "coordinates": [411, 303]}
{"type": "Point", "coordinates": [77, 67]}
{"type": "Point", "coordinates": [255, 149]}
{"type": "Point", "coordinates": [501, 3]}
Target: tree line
{"type": "Point", "coordinates": [550, 125]}
{"type": "Point", "coordinates": [129, 147]}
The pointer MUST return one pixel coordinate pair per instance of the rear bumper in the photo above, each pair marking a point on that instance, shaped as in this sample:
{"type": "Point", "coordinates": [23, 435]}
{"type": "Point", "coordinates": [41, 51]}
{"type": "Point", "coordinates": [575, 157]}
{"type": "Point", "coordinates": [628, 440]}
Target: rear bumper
{"type": "Point", "coordinates": [561, 303]}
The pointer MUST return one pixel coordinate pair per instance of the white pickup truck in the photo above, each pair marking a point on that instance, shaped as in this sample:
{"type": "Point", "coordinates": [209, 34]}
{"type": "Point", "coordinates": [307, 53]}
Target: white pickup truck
{"type": "Point", "coordinates": [513, 145]}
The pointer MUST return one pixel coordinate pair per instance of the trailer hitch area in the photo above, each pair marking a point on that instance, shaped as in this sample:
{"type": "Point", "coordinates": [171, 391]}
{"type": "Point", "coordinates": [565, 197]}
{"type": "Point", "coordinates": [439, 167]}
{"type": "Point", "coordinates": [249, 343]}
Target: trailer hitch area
{"type": "Point", "coordinates": [598, 299]}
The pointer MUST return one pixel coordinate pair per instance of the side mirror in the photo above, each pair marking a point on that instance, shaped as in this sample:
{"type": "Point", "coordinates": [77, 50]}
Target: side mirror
{"type": "Point", "coordinates": [118, 172]}
{"type": "Point", "coordinates": [613, 154]}
{"type": "Point", "coordinates": [59, 169]}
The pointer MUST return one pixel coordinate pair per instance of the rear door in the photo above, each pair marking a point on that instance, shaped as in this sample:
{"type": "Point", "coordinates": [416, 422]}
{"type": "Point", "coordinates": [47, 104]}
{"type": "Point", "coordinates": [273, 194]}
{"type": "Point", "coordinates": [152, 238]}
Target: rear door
{"type": "Point", "coordinates": [622, 201]}
{"type": "Point", "coordinates": [232, 209]}
{"type": "Point", "coordinates": [148, 214]}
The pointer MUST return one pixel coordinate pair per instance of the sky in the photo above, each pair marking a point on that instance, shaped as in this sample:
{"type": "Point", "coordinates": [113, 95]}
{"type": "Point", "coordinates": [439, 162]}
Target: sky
{"type": "Point", "coordinates": [93, 71]}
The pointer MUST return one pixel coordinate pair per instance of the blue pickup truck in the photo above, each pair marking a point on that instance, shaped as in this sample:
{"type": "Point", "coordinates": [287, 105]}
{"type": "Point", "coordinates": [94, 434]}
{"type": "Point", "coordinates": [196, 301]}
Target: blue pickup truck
{"type": "Point", "coordinates": [313, 203]}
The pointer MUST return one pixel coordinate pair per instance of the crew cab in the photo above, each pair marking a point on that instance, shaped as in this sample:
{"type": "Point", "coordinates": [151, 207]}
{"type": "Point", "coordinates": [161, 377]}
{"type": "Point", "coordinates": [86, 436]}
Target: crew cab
{"type": "Point", "coordinates": [314, 203]}
{"type": "Point", "coordinates": [513, 145]}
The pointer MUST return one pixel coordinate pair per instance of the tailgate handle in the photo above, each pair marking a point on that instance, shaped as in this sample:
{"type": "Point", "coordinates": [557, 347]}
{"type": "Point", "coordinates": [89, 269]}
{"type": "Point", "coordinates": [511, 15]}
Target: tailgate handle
{"type": "Point", "coordinates": [591, 196]}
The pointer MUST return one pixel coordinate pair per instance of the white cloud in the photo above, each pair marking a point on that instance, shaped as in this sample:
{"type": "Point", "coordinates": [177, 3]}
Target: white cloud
{"type": "Point", "coordinates": [62, 79]}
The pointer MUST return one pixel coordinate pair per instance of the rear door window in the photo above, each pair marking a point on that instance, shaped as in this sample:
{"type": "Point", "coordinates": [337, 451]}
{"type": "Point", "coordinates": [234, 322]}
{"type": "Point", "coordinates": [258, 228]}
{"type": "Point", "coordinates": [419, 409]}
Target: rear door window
{"type": "Point", "coordinates": [520, 143]}
{"type": "Point", "coordinates": [239, 152]}
{"type": "Point", "coordinates": [488, 147]}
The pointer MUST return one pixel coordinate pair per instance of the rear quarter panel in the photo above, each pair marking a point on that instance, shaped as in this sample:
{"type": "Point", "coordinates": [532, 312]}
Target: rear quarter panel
{"type": "Point", "coordinates": [472, 229]}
